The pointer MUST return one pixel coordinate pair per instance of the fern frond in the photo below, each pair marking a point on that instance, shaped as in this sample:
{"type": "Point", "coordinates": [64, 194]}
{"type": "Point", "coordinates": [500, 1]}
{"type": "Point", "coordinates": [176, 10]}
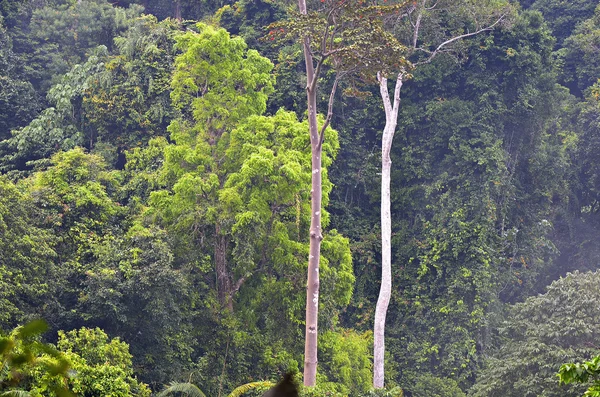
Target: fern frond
{"type": "Point", "coordinates": [188, 389]}
{"type": "Point", "coordinates": [243, 389]}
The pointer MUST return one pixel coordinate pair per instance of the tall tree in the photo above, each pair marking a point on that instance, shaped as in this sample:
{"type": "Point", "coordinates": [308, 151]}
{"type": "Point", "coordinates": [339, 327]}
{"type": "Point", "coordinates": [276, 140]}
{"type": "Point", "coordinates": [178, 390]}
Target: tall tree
{"type": "Point", "coordinates": [348, 37]}
{"type": "Point", "coordinates": [421, 29]}
{"type": "Point", "coordinates": [217, 83]}
{"type": "Point", "coordinates": [238, 187]}
{"type": "Point", "coordinates": [316, 140]}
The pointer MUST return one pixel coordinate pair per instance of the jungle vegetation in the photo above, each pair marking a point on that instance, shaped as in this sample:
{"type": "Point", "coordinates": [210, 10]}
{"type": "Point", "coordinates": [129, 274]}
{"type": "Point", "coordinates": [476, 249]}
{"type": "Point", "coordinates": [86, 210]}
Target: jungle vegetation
{"type": "Point", "coordinates": [159, 162]}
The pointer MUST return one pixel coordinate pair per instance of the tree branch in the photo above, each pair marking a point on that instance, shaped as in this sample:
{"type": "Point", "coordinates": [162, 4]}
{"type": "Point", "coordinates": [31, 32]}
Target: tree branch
{"type": "Point", "coordinates": [238, 285]}
{"type": "Point", "coordinates": [316, 73]}
{"type": "Point", "coordinates": [329, 110]}
{"type": "Point", "coordinates": [397, 90]}
{"type": "Point", "coordinates": [453, 39]}
{"type": "Point", "coordinates": [385, 96]}
{"type": "Point", "coordinates": [417, 25]}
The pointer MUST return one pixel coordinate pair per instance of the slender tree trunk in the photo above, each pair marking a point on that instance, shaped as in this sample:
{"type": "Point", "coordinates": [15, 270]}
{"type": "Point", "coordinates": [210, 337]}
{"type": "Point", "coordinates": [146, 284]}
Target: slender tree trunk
{"type": "Point", "coordinates": [391, 119]}
{"type": "Point", "coordinates": [178, 10]}
{"type": "Point", "coordinates": [223, 279]}
{"type": "Point", "coordinates": [312, 290]}
{"type": "Point", "coordinates": [312, 287]}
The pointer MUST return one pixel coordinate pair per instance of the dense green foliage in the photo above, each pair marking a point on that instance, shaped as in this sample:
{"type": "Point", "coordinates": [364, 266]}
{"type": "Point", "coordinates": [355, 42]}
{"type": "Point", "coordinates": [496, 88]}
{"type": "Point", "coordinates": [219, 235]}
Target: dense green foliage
{"type": "Point", "coordinates": [84, 363]}
{"type": "Point", "coordinates": [539, 335]}
{"type": "Point", "coordinates": [155, 200]}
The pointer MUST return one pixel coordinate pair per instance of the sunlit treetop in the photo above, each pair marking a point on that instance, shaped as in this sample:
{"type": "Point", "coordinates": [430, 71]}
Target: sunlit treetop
{"type": "Point", "coordinates": [218, 78]}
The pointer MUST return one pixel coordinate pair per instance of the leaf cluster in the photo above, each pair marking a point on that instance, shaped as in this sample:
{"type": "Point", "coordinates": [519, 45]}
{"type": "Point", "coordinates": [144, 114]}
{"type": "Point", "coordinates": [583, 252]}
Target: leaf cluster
{"type": "Point", "coordinates": [22, 355]}
{"type": "Point", "coordinates": [349, 35]}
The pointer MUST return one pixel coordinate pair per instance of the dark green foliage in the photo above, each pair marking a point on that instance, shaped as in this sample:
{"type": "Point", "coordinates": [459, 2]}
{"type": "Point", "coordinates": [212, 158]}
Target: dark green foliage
{"type": "Point", "coordinates": [580, 65]}
{"type": "Point", "coordinates": [564, 16]}
{"type": "Point", "coordinates": [161, 154]}
{"type": "Point", "coordinates": [475, 193]}
{"type": "Point", "coordinates": [61, 36]}
{"type": "Point", "coordinates": [249, 19]}
{"type": "Point", "coordinates": [430, 386]}
{"type": "Point", "coordinates": [135, 290]}
{"type": "Point", "coordinates": [19, 103]}
{"type": "Point", "coordinates": [127, 102]}
{"type": "Point", "coordinates": [60, 127]}
{"type": "Point", "coordinates": [193, 10]}
{"type": "Point", "coordinates": [539, 335]}
{"type": "Point", "coordinates": [465, 229]}
{"type": "Point", "coordinates": [110, 103]}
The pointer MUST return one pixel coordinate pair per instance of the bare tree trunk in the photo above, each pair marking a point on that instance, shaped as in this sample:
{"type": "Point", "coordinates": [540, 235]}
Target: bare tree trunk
{"type": "Point", "coordinates": [312, 286]}
{"type": "Point", "coordinates": [391, 119]}
{"type": "Point", "coordinates": [312, 289]}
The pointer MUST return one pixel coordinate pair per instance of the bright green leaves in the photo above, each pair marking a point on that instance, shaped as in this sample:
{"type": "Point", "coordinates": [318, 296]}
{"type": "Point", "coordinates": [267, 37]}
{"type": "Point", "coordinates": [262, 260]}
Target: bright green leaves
{"type": "Point", "coordinates": [77, 187]}
{"type": "Point", "coordinates": [581, 373]}
{"type": "Point", "coordinates": [337, 275]}
{"type": "Point", "coordinates": [30, 364]}
{"type": "Point", "coordinates": [74, 202]}
{"type": "Point", "coordinates": [258, 192]}
{"type": "Point", "coordinates": [219, 79]}
{"type": "Point", "coordinates": [101, 367]}
{"type": "Point", "coordinates": [346, 356]}
{"type": "Point", "coordinates": [237, 189]}
{"type": "Point", "coordinates": [26, 250]}
{"type": "Point", "coordinates": [85, 363]}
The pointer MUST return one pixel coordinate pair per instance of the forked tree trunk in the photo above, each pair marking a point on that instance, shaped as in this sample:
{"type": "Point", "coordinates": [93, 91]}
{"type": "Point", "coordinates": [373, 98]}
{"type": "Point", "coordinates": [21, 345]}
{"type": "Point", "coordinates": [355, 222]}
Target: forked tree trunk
{"type": "Point", "coordinates": [312, 286]}
{"type": "Point", "coordinates": [391, 119]}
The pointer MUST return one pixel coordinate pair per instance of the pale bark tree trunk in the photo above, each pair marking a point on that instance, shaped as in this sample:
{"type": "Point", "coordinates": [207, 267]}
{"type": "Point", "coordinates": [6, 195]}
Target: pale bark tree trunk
{"type": "Point", "coordinates": [312, 286]}
{"type": "Point", "coordinates": [391, 119]}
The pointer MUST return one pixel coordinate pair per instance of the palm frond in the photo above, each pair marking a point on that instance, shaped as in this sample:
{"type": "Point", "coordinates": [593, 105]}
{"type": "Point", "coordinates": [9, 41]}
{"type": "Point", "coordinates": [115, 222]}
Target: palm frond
{"type": "Point", "coordinates": [15, 393]}
{"type": "Point", "coordinates": [188, 389]}
{"type": "Point", "coordinates": [243, 389]}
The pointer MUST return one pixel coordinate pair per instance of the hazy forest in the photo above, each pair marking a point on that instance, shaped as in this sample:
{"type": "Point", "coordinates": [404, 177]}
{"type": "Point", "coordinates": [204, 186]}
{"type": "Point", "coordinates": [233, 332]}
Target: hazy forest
{"type": "Point", "coordinates": [386, 198]}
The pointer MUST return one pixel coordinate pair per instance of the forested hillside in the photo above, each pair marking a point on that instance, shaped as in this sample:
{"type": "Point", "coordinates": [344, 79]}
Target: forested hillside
{"type": "Point", "coordinates": [157, 171]}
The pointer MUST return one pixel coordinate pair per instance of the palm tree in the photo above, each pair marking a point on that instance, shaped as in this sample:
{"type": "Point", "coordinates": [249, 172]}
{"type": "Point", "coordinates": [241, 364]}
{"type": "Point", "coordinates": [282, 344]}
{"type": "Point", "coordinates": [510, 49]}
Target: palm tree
{"type": "Point", "coordinates": [191, 390]}
{"type": "Point", "coordinates": [15, 393]}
